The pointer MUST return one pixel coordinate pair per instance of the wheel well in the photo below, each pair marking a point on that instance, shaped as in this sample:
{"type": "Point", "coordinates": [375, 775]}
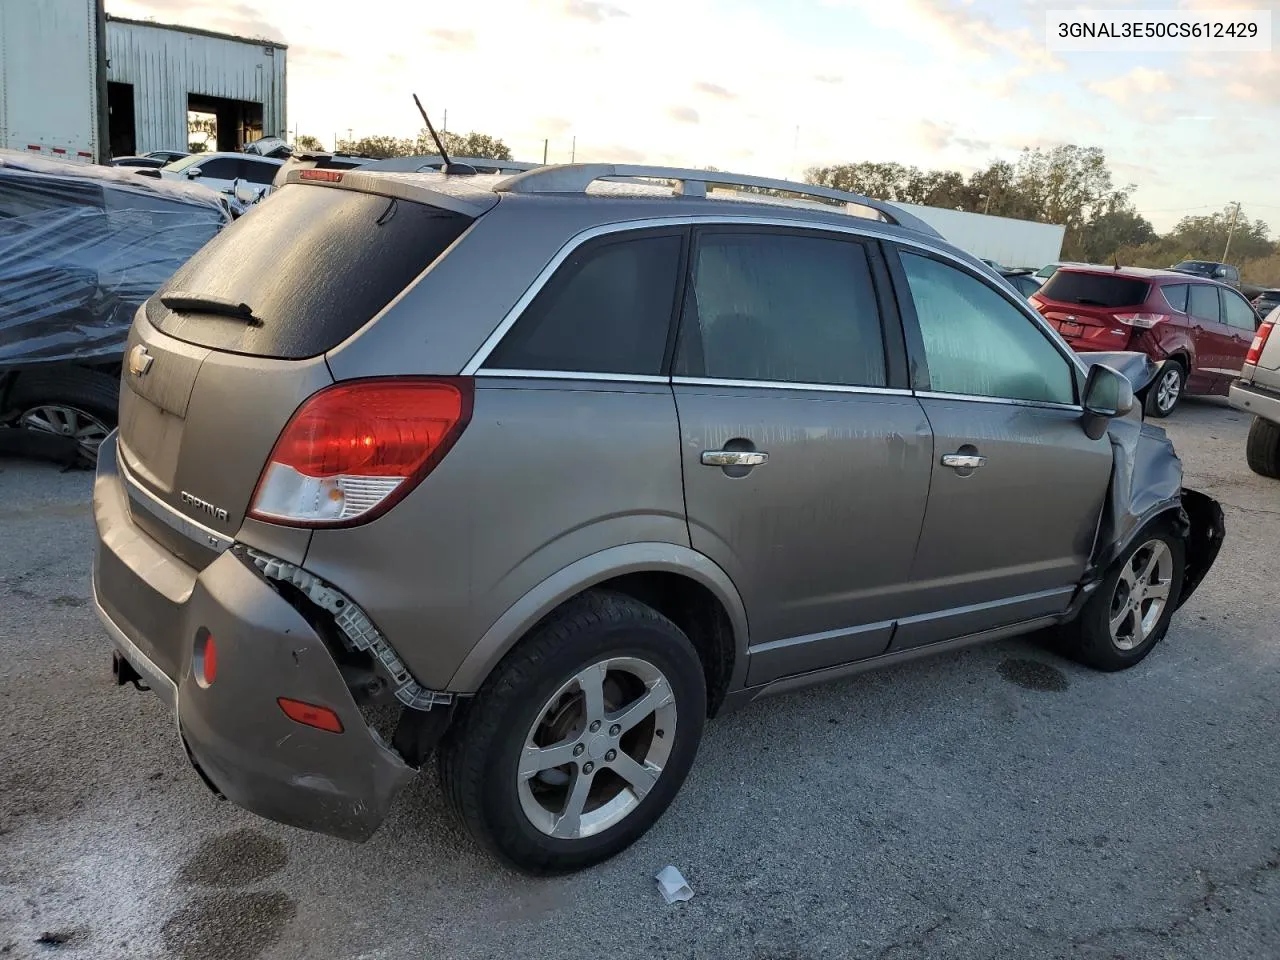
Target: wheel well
{"type": "Point", "coordinates": [695, 610]}
{"type": "Point", "coordinates": [1182, 359]}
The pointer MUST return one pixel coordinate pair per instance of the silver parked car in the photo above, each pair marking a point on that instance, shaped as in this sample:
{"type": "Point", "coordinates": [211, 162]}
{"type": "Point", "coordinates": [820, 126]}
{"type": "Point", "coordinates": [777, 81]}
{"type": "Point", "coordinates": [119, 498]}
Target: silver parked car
{"type": "Point", "coordinates": [536, 473]}
{"type": "Point", "coordinates": [1258, 392]}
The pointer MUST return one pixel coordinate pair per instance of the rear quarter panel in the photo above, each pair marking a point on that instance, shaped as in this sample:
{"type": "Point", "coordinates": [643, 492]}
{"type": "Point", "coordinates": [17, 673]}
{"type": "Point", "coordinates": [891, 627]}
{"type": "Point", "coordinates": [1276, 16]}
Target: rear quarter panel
{"type": "Point", "coordinates": [546, 473]}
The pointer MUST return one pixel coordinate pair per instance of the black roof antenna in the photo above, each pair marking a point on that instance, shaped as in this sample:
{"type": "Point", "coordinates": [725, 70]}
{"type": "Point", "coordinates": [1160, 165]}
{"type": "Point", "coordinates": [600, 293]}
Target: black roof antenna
{"type": "Point", "coordinates": [464, 169]}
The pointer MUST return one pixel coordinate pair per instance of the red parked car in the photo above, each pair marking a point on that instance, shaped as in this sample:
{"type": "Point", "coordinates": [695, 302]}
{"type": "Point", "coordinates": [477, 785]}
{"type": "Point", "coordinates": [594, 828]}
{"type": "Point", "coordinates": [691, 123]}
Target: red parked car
{"type": "Point", "coordinates": [1206, 327]}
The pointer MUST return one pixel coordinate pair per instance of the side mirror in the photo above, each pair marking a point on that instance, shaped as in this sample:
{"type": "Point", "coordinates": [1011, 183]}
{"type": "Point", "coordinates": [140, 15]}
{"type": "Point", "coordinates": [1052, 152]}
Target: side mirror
{"type": "Point", "coordinates": [193, 172]}
{"type": "Point", "coordinates": [1220, 272]}
{"type": "Point", "coordinates": [1107, 394]}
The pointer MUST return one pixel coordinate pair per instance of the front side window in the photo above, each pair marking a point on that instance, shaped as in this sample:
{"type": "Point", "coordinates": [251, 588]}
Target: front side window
{"type": "Point", "coordinates": [977, 343]}
{"type": "Point", "coordinates": [782, 307]}
{"type": "Point", "coordinates": [1203, 303]}
{"type": "Point", "coordinates": [607, 310]}
{"type": "Point", "coordinates": [1237, 311]}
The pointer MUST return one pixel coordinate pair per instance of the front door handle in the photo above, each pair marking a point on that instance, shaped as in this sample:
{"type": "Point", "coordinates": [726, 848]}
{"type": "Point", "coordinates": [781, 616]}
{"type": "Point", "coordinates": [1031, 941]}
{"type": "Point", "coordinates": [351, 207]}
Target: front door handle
{"type": "Point", "coordinates": [963, 461]}
{"type": "Point", "coordinates": [733, 458]}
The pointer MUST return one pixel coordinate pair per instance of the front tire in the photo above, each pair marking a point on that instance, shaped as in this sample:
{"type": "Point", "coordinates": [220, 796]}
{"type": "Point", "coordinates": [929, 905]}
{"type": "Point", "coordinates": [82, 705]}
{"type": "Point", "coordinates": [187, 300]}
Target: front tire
{"type": "Point", "coordinates": [68, 401]}
{"type": "Point", "coordinates": [1262, 449]}
{"type": "Point", "coordinates": [1167, 390]}
{"type": "Point", "coordinates": [581, 737]}
{"type": "Point", "coordinates": [1130, 611]}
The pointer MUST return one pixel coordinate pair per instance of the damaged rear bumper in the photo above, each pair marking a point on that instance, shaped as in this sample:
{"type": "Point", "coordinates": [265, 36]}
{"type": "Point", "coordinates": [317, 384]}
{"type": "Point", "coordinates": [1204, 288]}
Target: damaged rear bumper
{"type": "Point", "coordinates": [154, 606]}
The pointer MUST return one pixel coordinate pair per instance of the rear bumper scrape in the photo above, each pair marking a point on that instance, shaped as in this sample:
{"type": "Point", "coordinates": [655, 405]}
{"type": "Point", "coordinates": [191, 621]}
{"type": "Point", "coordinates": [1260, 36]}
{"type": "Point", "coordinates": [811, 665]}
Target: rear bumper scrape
{"type": "Point", "coordinates": [357, 630]}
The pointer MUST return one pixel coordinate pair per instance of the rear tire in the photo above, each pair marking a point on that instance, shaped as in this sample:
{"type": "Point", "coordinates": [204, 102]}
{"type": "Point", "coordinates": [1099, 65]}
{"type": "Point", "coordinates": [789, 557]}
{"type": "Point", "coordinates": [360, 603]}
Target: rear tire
{"type": "Point", "coordinates": [536, 708]}
{"type": "Point", "coordinates": [1121, 623]}
{"type": "Point", "coordinates": [1262, 449]}
{"type": "Point", "coordinates": [68, 401]}
{"type": "Point", "coordinates": [1166, 392]}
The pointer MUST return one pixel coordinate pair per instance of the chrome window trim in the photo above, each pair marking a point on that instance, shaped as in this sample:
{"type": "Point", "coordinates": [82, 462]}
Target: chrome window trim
{"type": "Point", "coordinates": [1044, 404]}
{"type": "Point", "coordinates": [787, 385]}
{"type": "Point", "coordinates": [864, 229]}
{"type": "Point", "coordinates": [572, 375]}
{"type": "Point", "coordinates": [197, 532]}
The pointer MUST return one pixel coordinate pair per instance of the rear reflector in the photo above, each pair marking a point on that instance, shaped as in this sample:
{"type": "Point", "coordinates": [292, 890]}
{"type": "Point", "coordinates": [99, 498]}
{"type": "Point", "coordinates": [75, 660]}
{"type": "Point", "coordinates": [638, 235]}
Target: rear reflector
{"type": "Point", "coordinates": [1259, 342]}
{"type": "Point", "coordinates": [322, 718]}
{"type": "Point", "coordinates": [327, 176]}
{"type": "Point", "coordinates": [355, 449]}
{"type": "Point", "coordinates": [205, 663]}
{"type": "Point", "coordinates": [1143, 320]}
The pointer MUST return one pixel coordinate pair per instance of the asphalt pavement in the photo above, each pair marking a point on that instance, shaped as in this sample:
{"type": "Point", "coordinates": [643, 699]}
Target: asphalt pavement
{"type": "Point", "coordinates": [998, 802]}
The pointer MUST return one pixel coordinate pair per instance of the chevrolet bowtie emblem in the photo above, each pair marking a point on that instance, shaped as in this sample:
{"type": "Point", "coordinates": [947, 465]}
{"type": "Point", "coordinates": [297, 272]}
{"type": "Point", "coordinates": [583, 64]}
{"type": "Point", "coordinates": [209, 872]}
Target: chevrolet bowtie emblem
{"type": "Point", "coordinates": [139, 360]}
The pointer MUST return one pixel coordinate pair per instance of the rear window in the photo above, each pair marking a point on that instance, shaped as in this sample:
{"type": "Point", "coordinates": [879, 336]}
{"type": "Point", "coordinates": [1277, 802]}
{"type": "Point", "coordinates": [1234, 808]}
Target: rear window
{"type": "Point", "coordinates": [314, 264]}
{"type": "Point", "coordinates": [1094, 289]}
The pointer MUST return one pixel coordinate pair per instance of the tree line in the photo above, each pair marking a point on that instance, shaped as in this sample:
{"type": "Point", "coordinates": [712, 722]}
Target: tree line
{"type": "Point", "coordinates": [1074, 186]}
{"type": "Point", "coordinates": [381, 146]}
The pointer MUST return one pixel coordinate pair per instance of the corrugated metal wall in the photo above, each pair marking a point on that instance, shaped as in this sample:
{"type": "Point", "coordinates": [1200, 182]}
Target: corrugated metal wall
{"type": "Point", "coordinates": [165, 65]}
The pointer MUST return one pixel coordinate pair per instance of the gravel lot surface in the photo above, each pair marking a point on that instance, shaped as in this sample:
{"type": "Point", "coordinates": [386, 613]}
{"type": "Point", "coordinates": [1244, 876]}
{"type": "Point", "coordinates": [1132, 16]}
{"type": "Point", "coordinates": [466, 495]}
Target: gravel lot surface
{"type": "Point", "coordinates": [999, 802]}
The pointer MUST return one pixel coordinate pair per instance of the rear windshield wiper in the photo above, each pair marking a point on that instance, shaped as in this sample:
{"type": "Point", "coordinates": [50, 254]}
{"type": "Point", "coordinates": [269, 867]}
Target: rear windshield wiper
{"type": "Point", "coordinates": [204, 303]}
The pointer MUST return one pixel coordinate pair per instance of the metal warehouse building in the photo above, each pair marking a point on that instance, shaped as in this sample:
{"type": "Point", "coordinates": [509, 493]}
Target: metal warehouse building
{"type": "Point", "coordinates": [156, 73]}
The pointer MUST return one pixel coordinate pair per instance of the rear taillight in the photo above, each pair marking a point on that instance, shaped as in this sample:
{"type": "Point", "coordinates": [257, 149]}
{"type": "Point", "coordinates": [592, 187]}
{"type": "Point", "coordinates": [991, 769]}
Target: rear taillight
{"type": "Point", "coordinates": [1143, 320]}
{"type": "Point", "coordinates": [1259, 342]}
{"type": "Point", "coordinates": [353, 450]}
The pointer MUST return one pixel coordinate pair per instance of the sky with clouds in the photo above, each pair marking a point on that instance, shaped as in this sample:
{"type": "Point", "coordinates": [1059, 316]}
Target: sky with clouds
{"type": "Point", "coordinates": [774, 86]}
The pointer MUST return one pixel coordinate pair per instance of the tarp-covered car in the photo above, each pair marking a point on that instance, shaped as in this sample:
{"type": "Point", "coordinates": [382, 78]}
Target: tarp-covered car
{"type": "Point", "coordinates": [81, 248]}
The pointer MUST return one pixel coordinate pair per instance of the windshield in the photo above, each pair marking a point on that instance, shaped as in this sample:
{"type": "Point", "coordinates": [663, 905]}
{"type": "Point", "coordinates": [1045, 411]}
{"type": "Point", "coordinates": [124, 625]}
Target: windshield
{"type": "Point", "coordinates": [179, 165]}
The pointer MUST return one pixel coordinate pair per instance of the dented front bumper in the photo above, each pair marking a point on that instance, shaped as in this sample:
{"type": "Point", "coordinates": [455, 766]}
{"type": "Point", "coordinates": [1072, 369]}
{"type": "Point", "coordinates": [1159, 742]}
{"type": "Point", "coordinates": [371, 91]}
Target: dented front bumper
{"type": "Point", "coordinates": [153, 606]}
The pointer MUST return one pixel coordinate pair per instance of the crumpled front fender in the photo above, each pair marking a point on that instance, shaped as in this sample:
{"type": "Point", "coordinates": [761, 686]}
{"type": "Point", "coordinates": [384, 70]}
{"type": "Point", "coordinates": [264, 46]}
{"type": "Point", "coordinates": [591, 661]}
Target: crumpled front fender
{"type": "Point", "coordinates": [1146, 482]}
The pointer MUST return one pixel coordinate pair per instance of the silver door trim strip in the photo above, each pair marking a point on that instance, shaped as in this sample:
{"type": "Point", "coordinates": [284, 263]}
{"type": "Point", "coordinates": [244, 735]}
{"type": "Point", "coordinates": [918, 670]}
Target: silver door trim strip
{"type": "Point", "coordinates": [572, 375]}
{"type": "Point", "coordinates": [864, 229]}
{"type": "Point", "coordinates": [139, 496]}
{"type": "Point", "coordinates": [785, 642]}
{"type": "Point", "coordinates": [987, 605]}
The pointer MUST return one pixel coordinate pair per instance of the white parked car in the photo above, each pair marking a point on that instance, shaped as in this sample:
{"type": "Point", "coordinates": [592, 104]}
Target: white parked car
{"type": "Point", "coordinates": [224, 171]}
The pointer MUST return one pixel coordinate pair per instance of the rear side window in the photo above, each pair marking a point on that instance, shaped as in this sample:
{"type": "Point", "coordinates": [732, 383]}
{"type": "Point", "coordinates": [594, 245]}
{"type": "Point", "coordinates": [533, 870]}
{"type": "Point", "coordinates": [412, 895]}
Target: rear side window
{"type": "Point", "coordinates": [1176, 294]}
{"type": "Point", "coordinates": [1094, 289]}
{"type": "Point", "coordinates": [314, 264]}
{"type": "Point", "coordinates": [1203, 303]}
{"type": "Point", "coordinates": [782, 307]}
{"type": "Point", "coordinates": [607, 310]}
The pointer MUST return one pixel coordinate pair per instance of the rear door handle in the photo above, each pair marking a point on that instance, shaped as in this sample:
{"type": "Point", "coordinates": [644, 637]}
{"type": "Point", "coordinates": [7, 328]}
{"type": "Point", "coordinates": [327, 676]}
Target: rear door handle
{"type": "Point", "coordinates": [733, 458]}
{"type": "Point", "coordinates": [963, 461]}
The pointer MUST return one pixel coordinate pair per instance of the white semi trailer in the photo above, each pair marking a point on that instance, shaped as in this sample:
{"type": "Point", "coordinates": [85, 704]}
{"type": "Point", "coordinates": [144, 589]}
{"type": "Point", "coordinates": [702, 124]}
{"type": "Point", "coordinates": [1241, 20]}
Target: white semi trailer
{"type": "Point", "coordinates": [53, 78]}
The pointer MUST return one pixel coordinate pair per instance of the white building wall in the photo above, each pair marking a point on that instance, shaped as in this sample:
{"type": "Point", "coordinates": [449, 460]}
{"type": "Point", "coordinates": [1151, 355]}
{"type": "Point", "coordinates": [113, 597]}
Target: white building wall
{"type": "Point", "coordinates": [165, 64]}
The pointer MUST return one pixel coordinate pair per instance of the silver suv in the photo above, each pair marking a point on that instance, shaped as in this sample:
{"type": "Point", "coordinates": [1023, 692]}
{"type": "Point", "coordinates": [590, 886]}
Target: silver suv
{"type": "Point", "coordinates": [1258, 392]}
{"type": "Point", "coordinates": [536, 473]}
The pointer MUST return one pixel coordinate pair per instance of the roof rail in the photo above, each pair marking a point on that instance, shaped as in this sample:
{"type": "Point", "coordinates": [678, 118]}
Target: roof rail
{"type": "Point", "coordinates": [577, 177]}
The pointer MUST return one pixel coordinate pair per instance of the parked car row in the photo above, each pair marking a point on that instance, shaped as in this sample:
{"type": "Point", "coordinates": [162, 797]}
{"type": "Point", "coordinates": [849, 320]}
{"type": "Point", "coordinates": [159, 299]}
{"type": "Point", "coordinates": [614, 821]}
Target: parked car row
{"type": "Point", "coordinates": [1202, 326]}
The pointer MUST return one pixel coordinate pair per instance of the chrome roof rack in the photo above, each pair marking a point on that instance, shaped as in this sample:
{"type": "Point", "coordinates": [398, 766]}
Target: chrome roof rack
{"type": "Point", "coordinates": [577, 177]}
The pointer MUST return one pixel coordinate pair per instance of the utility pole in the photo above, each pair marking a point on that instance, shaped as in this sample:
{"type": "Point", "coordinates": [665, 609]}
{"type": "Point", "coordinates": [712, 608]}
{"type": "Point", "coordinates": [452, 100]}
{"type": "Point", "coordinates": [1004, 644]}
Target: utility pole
{"type": "Point", "coordinates": [444, 127]}
{"type": "Point", "coordinates": [573, 150]}
{"type": "Point", "coordinates": [544, 152]}
{"type": "Point", "coordinates": [1231, 230]}
{"type": "Point", "coordinates": [987, 206]}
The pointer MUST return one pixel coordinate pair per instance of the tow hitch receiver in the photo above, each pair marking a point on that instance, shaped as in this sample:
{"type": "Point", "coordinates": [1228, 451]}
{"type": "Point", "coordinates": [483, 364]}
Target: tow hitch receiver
{"type": "Point", "coordinates": [122, 672]}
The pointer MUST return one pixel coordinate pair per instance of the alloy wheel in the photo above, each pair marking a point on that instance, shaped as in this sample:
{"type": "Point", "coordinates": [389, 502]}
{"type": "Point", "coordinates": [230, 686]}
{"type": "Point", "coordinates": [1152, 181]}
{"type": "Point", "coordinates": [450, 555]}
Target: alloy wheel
{"type": "Point", "coordinates": [1169, 389]}
{"type": "Point", "coordinates": [596, 748]}
{"type": "Point", "coordinates": [1141, 595]}
{"type": "Point", "coordinates": [67, 421]}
